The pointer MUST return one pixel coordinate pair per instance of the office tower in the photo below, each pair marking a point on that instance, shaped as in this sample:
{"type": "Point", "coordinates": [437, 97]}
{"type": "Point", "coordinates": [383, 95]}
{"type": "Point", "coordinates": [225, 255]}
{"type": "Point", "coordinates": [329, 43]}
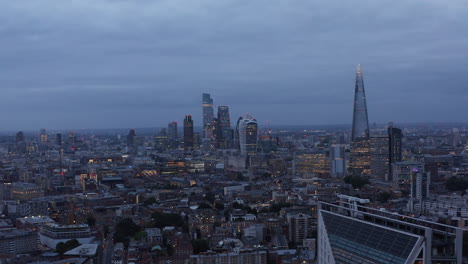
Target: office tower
{"type": "Point", "coordinates": [43, 136]}
{"type": "Point", "coordinates": [224, 124]}
{"type": "Point", "coordinates": [236, 134]}
{"type": "Point", "coordinates": [172, 136]}
{"type": "Point", "coordinates": [161, 141]}
{"type": "Point", "coordinates": [196, 140]}
{"type": "Point", "coordinates": [248, 130]}
{"type": "Point", "coordinates": [337, 161]}
{"type": "Point", "coordinates": [58, 139]}
{"type": "Point", "coordinates": [379, 157]}
{"type": "Point", "coordinates": [131, 138]}
{"type": "Point", "coordinates": [188, 132]}
{"type": "Point", "coordinates": [19, 137]}
{"type": "Point", "coordinates": [358, 234]}
{"type": "Point", "coordinates": [72, 137]}
{"type": "Point", "coordinates": [395, 154]}
{"type": "Point", "coordinates": [360, 120]}
{"type": "Point", "coordinates": [360, 145]}
{"type": "Point", "coordinates": [208, 112]}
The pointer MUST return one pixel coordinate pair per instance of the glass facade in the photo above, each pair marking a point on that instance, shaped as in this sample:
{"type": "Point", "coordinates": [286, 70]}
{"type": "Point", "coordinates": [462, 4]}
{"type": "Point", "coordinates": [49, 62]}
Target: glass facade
{"type": "Point", "coordinates": [354, 241]}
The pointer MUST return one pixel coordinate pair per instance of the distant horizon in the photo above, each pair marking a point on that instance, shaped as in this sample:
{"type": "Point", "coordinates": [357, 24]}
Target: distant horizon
{"type": "Point", "coordinates": [198, 128]}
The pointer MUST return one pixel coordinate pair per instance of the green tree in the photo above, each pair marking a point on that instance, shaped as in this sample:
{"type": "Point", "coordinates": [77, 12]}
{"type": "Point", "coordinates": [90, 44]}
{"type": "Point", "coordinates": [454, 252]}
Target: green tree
{"type": "Point", "coordinates": [69, 245]}
{"type": "Point", "coordinates": [356, 181]}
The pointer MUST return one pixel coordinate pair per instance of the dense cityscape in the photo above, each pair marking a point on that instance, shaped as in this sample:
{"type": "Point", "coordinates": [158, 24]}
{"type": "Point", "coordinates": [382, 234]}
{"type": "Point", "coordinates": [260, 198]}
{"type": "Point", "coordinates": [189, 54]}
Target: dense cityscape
{"type": "Point", "coordinates": [231, 191]}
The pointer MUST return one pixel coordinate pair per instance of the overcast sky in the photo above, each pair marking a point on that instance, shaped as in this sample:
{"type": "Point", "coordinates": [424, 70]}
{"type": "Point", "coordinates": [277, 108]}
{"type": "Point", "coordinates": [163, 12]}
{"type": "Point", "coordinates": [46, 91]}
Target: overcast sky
{"type": "Point", "coordinates": [118, 63]}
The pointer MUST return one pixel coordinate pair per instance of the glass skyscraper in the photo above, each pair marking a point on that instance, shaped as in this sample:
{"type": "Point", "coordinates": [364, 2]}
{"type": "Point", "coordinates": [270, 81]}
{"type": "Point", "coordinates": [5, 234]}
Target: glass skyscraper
{"type": "Point", "coordinates": [208, 112]}
{"type": "Point", "coordinates": [360, 140]}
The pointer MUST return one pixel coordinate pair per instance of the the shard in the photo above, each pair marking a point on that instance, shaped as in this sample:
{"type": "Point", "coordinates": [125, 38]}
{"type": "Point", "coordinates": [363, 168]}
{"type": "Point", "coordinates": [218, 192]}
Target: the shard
{"type": "Point", "coordinates": [359, 160]}
{"type": "Point", "coordinates": [360, 120]}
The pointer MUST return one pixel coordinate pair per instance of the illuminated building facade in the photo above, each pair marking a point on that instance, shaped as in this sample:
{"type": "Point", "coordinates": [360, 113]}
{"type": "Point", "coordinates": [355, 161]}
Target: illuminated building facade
{"type": "Point", "coordinates": [380, 157]}
{"type": "Point", "coordinates": [43, 136]}
{"type": "Point", "coordinates": [360, 140]}
{"type": "Point", "coordinates": [248, 136]}
{"type": "Point", "coordinates": [208, 112]}
{"type": "Point", "coordinates": [313, 164]}
{"type": "Point", "coordinates": [188, 133]}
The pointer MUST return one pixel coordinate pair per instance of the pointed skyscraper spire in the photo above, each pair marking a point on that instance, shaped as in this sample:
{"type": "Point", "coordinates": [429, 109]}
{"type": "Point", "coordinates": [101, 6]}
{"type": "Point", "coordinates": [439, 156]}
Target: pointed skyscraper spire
{"type": "Point", "coordinates": [360, 119]}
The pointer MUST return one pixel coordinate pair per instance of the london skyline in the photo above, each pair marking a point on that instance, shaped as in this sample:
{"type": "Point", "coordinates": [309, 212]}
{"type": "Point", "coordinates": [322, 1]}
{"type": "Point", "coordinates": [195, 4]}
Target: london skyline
{"type": "Point", "coordinates": [97, 65]}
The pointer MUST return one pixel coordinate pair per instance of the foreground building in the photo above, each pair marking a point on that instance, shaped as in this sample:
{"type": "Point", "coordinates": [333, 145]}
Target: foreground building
{"type": "Point", "coordinates": [356, 234]}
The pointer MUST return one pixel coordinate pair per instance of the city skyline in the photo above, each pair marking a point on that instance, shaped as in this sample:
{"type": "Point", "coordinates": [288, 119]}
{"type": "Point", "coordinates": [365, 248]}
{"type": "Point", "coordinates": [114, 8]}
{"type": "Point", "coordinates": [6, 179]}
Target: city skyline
{"type": "Point", "coordinates": [92, 65]}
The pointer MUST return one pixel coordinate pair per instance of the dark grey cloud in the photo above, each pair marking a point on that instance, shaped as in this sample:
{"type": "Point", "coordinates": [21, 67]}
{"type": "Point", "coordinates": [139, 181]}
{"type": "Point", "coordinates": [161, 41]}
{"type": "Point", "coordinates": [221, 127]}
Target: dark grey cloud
{"type": "Point", "coordinates": [117, 63]}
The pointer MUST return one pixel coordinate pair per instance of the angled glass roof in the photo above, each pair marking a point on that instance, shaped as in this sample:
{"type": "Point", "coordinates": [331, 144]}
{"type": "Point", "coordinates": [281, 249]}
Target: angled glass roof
{"type": "Point", "coordinates": [355, 241]}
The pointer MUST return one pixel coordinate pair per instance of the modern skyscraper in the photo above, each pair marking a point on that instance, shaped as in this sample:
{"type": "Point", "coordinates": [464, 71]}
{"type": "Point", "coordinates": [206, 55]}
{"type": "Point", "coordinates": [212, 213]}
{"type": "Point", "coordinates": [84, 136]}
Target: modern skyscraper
{"type": "Point", "coordinates": [161, 140]}
{"type": "Point", "coordinates": [58, 139]}
{"type": "Point", "coordinates": [360, 144]}
{"type": "Point", "coordinates": [43, 136]}
{"type": "Point", "coordinates": [131, 138]}
{"type": "Point", "coordinates": [19, 137]}
{"type": "Point", "coordinates": [379, 156]}
{"type": "Point", "coordinates": [188, 133]}
{"type": "Point", "coordinates": [248, 136]}
{"type": "Point", "coordinates": [360, 119]}
{"type": "Point", "coordinates": [395, 138]}
{"type": "Point", "coordinates": [224, 123]}
{"type": "Point", "coordinates": [208, 112]}
{"type": "Point", "coordinates": [236, 134]}
{"type": "Point", "coordinates": [172, 135]}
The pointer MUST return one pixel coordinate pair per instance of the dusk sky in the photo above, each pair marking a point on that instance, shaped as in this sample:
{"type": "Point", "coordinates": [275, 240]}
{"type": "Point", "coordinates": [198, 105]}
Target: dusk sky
{"type": "Point", "coordinates": [117, 63]}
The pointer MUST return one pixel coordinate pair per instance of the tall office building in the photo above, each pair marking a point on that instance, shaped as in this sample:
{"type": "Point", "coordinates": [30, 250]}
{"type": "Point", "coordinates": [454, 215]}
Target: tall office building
{"type": "Point", "coordinates": [236, 134]}
{"type": "Point", "coordinates": [395, 138]}
{"type": "Point", "coordinates": [172, 135]}
{"type": "Point", "coordinates": [248, 136]}
{"type": "Point", "coordinates": [224, 124]}
{"type": "Point", "coordinates": [360, 142]}
{"type": "Point", "coordinates": [350, 233]}
{"type": "Point", "coordinates": [208, 112]}
{"type": "Point", "coordinates": [58, 139]}
{"type": "Point", "coordinates": [43, 136]}
{"type": "Point", "coordinates": [337, 161]}
{"type": "Point", "coordinates": [161, 140]}
{"type": "Point", "coordinates": [360, 119]}
{"type": "Point", "coordinates": [130, 138]}
{"type": "Point", "coordinates": [19, 137]}
{"type": "Point", "coordinates": [188, 133]}
{"type": "Point", "coordinates": [380, 156]}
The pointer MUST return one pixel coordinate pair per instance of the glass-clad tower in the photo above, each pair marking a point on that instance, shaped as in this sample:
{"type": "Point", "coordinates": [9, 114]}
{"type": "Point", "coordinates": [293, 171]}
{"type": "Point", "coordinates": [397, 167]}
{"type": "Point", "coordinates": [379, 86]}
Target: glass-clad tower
{"type": "Point", "coordinates": [208, 112]}
{"type": "Point", "coordinates": [248, 136]}
{"type": "Point", "coordinates": [360, 119]}
{"type": "Point", "coordinates": [359, 163]}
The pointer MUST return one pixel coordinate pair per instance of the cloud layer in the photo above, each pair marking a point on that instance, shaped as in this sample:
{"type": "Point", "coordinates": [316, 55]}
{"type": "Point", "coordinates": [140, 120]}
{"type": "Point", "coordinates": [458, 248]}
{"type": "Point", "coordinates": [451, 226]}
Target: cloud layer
{"type": "Point", "coordinates": [118, 63]}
